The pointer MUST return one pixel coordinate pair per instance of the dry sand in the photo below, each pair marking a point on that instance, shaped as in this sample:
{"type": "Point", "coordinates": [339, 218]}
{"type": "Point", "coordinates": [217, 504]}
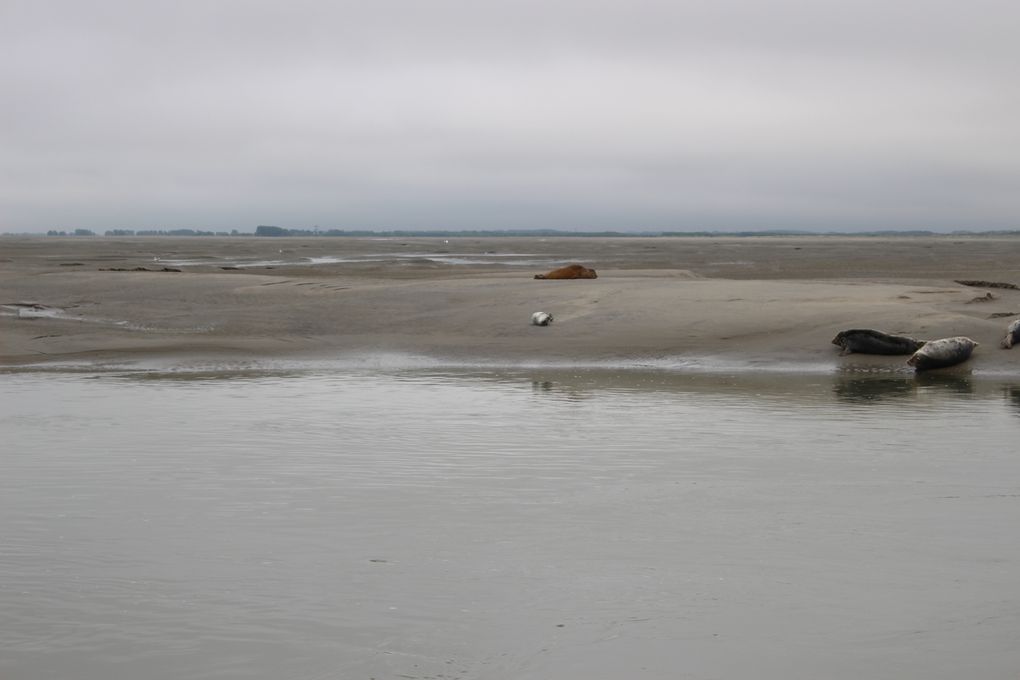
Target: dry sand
{"type": "Point", "coordinates": [759, 301]}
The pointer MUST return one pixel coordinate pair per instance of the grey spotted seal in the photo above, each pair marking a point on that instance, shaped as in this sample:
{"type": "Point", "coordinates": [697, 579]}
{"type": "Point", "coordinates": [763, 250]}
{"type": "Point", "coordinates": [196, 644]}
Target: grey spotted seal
{"type": "Point", "coordinates": [1012, 335]}
{"type": "Point", "coordinates": [867, 341]}
{"type": "Point", "coordinates": [942, 353]}
{"type": "Point", "coordinates": [541, 319]}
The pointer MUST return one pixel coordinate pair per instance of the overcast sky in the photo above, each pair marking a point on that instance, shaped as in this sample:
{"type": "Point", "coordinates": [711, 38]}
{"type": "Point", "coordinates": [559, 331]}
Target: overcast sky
{"type": "Point", "coordinates": [495, 114]}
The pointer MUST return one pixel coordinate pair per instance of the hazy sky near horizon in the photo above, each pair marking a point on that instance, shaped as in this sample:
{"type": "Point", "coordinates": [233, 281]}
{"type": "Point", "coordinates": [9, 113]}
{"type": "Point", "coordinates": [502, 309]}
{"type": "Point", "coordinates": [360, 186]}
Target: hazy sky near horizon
{"type": "Point", "coordinates": [567, 114]}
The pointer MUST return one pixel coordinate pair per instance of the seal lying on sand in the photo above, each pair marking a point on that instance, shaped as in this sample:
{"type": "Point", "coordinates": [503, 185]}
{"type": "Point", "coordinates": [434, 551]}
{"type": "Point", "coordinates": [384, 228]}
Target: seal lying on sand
{"type": "Point", "coordinates": [571, 271]}
{"type": "Point", "coordinates": [1012, 335]}
{"type": "Point", "coordinates": [867, 341]}
{"type": "Point", "coordinates": [541, 319]}
{"type": "Point", "coordinates": [942, 353]}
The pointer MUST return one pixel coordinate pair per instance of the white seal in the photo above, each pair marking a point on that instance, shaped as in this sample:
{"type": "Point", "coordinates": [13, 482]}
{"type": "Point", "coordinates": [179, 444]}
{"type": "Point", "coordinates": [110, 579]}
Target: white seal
{"type": "Point", "coordinates": [541, 319]}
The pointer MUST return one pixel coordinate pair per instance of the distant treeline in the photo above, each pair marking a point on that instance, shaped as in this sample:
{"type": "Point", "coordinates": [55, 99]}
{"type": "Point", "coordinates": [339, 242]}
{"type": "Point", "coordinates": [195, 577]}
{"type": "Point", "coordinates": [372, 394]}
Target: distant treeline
{"type": "Point", "coordinates": [266, 230]}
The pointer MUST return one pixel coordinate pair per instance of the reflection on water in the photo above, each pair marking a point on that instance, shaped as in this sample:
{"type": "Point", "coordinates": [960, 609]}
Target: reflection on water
{"type": "Point", "coordinates": [948, 382]}
{"type": "Point", "coordinates": [212, 375]}
{"type": "Point", "coordinates": [858, 389]}
{"type": "Point", "coordinates": [1012, 394]}
{"type": "Point", "coordinates": [496, 523]}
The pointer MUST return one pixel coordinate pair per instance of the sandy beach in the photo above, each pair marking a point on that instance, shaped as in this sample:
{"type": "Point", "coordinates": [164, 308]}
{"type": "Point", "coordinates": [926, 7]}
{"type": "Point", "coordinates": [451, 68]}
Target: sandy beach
{"type": "Point", "coordinates": [759, 301]}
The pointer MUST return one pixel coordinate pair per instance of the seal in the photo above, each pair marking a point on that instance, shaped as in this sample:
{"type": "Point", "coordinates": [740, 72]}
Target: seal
{"type": "Point", "coordinates": [541, 319]}
{"type": "Point", "coordinates": [571, 271]}
{"type": "Point", "coordinates": [1012, 335]}
{"type": "Point", "coordinates": [942, 353]}
{"type": "Point", "coordinates": [867, 341]}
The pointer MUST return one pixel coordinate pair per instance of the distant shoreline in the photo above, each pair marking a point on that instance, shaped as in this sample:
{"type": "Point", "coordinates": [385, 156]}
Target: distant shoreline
{"type": "Point", "coordinates": [278, 232]}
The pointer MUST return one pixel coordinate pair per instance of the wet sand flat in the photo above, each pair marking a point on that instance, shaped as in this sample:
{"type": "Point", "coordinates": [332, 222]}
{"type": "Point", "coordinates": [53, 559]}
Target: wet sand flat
{"type": "Point", "coordinates": [755, 299]}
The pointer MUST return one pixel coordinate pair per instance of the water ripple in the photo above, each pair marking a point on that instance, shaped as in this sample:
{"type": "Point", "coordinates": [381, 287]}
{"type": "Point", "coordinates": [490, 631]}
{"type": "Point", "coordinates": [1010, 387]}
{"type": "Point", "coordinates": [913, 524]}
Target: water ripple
{"type": "Point", "coordinates": [283, 522]}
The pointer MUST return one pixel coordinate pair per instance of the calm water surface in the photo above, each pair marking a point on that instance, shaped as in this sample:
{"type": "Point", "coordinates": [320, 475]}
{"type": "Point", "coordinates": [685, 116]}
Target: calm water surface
{"type": "Point", "coordinates": [507, 525]}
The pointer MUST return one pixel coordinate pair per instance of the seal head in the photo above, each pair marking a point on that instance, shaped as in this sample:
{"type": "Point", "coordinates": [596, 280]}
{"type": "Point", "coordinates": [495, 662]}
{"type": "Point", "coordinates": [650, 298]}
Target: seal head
{"type": "Point", "coordinates": [1012, 335]}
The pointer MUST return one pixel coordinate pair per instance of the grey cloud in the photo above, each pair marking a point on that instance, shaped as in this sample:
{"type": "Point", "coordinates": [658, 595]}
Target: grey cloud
{"type": "Point", "coordinates": [493, 114]}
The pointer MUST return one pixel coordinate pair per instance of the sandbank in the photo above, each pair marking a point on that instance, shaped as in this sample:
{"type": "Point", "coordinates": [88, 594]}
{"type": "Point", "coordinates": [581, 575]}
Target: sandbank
{"type": "Point", "coordinates": [756, 302]}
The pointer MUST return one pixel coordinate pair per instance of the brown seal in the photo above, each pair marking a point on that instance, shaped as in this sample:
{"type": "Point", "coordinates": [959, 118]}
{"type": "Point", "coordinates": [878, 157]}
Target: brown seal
{"type": "Point", "coordinates": [571, 271]}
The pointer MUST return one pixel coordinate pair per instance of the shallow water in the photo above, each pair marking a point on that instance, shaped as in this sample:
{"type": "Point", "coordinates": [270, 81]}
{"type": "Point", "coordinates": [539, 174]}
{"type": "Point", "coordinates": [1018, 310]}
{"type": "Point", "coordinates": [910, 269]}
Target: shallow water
{"type": "Point", "coordinates": [507, 524]}
{"type": "Point", "coordinates": [486, 258]}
